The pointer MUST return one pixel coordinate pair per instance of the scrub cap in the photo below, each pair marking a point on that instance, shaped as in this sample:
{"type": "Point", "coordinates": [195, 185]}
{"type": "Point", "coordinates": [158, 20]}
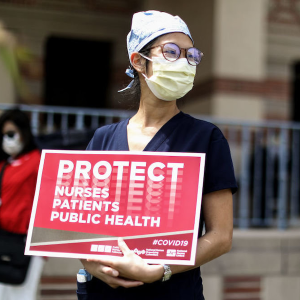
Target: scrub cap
{"type": "Point", "coordinates": [148, 25]}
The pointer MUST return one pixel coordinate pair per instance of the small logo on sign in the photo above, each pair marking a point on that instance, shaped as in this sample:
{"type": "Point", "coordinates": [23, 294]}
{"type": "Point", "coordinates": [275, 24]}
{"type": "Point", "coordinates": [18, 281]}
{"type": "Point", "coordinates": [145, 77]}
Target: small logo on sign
{"type": "Point", "coordinates": [171, 252]}
{"type": "Point", "coordinates": [138, 252]}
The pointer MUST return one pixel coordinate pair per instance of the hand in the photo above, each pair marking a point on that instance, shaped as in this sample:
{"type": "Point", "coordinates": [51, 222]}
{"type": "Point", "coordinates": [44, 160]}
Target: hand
{"type": "Point", "coordinates": [108, 274]}
{"type": "Point", "coordinates": [131, 266]}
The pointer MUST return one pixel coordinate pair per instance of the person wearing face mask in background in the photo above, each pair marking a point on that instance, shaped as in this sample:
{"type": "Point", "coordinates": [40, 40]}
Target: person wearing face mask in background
{"type": "Point", "coordinates": [163, 66]}
{"type": "Point", "coordinates": [20, 157]}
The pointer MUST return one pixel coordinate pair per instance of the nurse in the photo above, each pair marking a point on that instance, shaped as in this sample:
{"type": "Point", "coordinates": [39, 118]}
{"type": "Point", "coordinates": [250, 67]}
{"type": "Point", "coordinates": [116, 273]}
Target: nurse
{"type": "Point", "coordinates": [163, 63]}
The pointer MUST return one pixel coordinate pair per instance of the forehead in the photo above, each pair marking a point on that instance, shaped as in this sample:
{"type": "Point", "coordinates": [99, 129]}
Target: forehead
{"type": "Point", "coordinates": [178, 38]}
{"type": "Point", "coordinates": [9, 126]}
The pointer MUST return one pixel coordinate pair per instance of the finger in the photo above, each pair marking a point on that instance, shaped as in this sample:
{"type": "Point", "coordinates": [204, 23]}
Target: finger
{"type": "Point", "coordinates": [123, 246]}
{"type": "Point", "coordinates": [111, 262]}
{"type": "Point", "coordinates": [103, 260]}
{"type": "Point", "coordinates": [125, 283]}
{"type": "Point", "coordinates": [114, 286]}
{"type": "Point", "coordinates": [109, 271]}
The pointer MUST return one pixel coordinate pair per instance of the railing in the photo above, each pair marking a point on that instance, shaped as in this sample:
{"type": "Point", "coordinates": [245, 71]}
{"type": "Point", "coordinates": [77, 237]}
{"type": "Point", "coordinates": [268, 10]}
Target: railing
{"type": "Point", "coordinates": [43, 117]}
{"type": "Point", "coordinates": [67, 127]}
{"type": "Point", "coordinates": [266, 160]}
{"type": "Point", "coordinates": [265, 156]}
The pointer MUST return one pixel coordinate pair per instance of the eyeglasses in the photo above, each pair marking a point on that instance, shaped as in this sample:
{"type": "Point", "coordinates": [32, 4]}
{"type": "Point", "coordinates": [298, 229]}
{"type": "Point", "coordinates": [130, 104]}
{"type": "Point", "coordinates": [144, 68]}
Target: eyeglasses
{"type": "Point", "coordinates": [172, 52]}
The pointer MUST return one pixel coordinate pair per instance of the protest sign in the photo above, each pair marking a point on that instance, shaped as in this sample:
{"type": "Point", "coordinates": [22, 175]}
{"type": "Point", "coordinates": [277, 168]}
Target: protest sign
{"type": "Point", "coordinates": [85, 200]}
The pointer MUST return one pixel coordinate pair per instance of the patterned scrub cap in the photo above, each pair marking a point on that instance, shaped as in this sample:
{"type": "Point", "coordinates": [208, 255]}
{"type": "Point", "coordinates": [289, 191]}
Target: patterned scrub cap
{"type": "Point", "coordinates": [148, 25]}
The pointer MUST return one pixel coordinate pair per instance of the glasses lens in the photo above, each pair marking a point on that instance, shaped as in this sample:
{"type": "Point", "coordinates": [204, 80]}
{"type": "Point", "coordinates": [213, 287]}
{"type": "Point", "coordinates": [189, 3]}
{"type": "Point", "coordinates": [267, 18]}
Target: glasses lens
{"type": "Point", "coordinates": [171, 51]}
{"type": "Point", "coordinates": [194, 56]}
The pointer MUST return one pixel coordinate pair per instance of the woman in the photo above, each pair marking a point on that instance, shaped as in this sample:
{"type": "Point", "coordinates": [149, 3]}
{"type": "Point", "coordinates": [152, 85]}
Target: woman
{"type": "Point", "coordinates": [163, 65]}
{"type": "Point", "coordinates": [21, 157]}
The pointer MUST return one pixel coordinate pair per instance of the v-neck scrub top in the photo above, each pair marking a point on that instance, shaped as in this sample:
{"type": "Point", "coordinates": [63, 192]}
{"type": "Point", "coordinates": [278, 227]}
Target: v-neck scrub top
{"type": "Point", "coordinates": [182, 133]}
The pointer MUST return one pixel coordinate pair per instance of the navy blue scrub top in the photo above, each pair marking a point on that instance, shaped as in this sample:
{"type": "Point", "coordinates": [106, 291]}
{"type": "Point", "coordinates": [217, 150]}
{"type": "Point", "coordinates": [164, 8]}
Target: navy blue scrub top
{"type": "Point", "coordinates": [182, 133]}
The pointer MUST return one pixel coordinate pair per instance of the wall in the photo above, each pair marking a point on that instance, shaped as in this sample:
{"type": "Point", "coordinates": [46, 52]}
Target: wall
{"type": "Point", "coordinates": [36, 22]}
{"type": "Point", "coordinates": [7, 94]}
{"type": "Point", "coordinates": [268, 262]}
{"type": "Point", "coordinates": [283, 44]}
{"type": "Point", "coordinates": [249, 47]}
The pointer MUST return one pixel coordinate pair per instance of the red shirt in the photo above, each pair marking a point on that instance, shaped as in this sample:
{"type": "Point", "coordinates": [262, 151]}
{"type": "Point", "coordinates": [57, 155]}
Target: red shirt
{"type": "Point", "coordinates": [17, 192]}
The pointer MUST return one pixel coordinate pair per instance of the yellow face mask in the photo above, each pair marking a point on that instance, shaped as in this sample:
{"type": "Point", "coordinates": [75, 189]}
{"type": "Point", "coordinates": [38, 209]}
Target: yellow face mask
{"type": "Point", "coordinates": [170, 80]}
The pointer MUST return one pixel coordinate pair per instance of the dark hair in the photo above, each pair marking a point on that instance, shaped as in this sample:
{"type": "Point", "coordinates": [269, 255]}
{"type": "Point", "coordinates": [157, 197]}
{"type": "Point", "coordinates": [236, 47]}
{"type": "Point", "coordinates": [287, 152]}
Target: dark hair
{"type": "Point", "coordinates": [21, 120]}
{"type": "Point", "coordinates": [134, 93]}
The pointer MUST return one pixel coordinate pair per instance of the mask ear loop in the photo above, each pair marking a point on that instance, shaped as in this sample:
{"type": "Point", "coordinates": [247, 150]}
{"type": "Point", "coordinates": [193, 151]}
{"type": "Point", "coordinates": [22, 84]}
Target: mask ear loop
{"type": "Point", "coordinates": [142, 55]}
{"type": "Point", "coordinates": [129, 72]}
{"type": "Point", "coordinates": [146, 57]}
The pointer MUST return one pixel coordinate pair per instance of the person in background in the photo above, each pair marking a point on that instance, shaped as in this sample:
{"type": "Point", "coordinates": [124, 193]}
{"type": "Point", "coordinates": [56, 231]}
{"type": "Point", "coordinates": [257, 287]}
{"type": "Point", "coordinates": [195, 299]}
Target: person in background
{"type": "Point", "coordinates": [163, 66]}
{"type": "Point", "coordinates": [22, 156]}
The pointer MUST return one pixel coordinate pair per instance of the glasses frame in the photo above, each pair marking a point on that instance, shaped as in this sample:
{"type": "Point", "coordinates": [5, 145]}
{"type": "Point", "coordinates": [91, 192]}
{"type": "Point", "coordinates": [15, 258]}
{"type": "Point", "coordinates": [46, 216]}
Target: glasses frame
{"type": "Point", "coordinates": [185, 49]}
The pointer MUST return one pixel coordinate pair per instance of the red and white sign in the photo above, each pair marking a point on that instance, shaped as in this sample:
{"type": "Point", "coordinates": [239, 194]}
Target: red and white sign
{"type": "Point", "coordinates": [85, 200]}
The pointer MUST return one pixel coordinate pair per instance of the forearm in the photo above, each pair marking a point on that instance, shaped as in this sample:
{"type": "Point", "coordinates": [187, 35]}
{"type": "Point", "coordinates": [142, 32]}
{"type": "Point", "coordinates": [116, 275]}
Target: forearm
{"type": "Point", "coordinates": [209, 247]}
{"type": "Point", "coordinates": [218, 216]}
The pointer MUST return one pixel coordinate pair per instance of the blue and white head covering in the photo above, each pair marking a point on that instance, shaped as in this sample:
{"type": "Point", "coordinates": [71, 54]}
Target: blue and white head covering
{"type": "Point", "coordinates": [148, 25]}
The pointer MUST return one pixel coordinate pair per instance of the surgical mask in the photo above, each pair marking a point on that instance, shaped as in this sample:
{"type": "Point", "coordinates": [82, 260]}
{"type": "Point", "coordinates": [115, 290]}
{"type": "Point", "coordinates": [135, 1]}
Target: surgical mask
{"type": "Point", "coordinates": [11, 143]}
{"type": "Point", "coordinates": [170, 80]}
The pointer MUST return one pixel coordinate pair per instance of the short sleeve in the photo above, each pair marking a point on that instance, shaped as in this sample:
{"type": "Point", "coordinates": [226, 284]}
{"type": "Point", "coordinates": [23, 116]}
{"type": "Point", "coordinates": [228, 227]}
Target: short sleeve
{"type": "Point", "coordinates": [100, 139]}
{"type": "Point", "coordinates": [91, 145]}
{"type": "Point", "coordinates": [219, 172]}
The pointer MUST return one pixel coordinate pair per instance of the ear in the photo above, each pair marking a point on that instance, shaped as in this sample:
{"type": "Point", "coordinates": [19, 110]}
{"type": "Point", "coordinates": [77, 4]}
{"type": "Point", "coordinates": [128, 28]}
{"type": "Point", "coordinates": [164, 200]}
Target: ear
{"type": "Point", "coordinates": [138, 62]}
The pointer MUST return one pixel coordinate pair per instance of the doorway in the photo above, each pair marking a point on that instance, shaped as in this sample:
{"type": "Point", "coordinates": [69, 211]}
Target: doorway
{"type": "Point", "coordinates": [77, 72]}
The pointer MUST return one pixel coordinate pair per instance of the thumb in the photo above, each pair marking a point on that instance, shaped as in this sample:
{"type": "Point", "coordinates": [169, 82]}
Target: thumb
{"type": "Point", "coordinates": [123, 246]}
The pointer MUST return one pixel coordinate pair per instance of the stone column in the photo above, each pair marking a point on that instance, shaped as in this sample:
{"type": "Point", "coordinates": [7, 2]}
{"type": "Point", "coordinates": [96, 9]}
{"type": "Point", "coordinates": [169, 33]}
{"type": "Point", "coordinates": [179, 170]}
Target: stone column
{"type": "Point", "coordinates": [239, 58]}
